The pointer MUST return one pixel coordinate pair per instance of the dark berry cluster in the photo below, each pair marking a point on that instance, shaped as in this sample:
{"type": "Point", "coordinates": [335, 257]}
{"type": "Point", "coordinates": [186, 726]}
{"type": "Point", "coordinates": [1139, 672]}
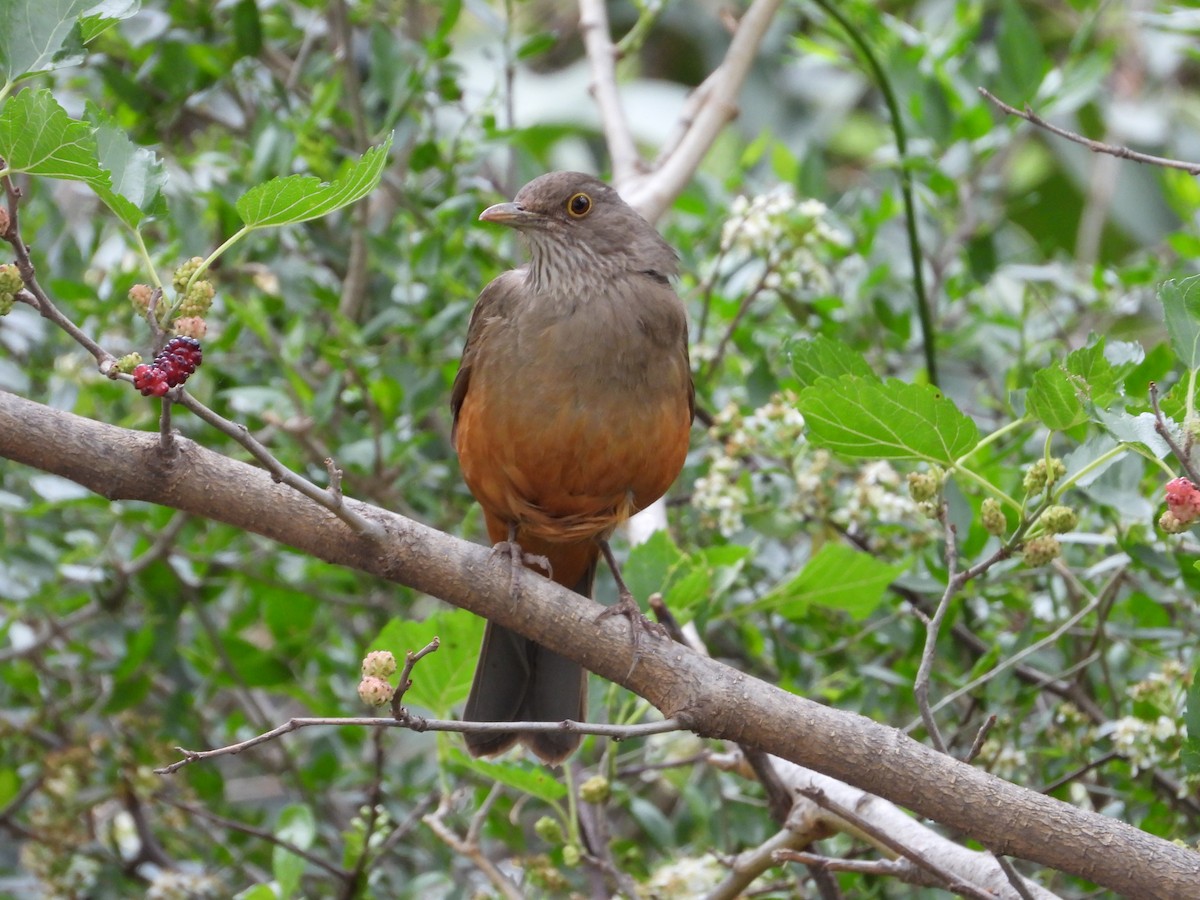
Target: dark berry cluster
{"type": "Point", "coordinates": [174, 363]}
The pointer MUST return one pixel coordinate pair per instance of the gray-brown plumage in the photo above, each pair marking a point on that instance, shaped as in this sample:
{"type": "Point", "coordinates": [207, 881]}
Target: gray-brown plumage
{"type": "Point", "coordinates": [572, 410]}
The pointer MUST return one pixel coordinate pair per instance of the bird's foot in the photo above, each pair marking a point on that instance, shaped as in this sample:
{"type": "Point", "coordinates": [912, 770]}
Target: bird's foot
{"type": "Point", "coordinates": [519, 560]}
{"type": "Point", "coordinates": [627, 607]}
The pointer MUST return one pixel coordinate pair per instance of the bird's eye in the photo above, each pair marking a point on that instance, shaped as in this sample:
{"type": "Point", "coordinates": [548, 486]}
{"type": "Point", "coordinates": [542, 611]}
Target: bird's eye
{"type": "Point", "coordinates": [579, 205]}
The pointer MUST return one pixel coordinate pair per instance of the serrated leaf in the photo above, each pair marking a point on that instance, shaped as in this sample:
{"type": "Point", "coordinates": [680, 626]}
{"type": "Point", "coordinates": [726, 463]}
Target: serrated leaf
{"type": "Point", "coordinates": [864, 417]}
{"type": "Point", "coordinates": [1094, 375]}
{"type": "Point", "coordinates": [838, 577]}
{"type": "Point", "coordinates": [136, 173]}
{"type": "Point", "coordinates": [820, 355]}
{"type": "Point", "coordinates": [442, 678]}
{"type": "Point", "coordinates": [1181, 308]}
{"type": "Point", "coordinates": [1054, 399]}
{"type": "Point", "coordinates": [299, 198]}
{"type": "Point", "coordinates": [40, 35]}
{"type": "Point", "coordinates": [37, 136]}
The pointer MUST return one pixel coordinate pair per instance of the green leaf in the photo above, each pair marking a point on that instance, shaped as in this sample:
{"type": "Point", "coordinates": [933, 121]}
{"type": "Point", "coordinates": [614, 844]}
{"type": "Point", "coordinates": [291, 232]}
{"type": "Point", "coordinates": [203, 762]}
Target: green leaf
{"type": "Point", "coordinates": [38, 137]}
{"type": "Point", "coordinates": [526, 777]}
{"type": "Point", "coordinates": [1191, 748]}
{"type": "Point", "coordinates": [813, 357]}
{"type": "Point", "coordinates": [299, 198]}
{"type": "Point", "coordinates": [104, 15]}
{"type": "Point", "coordinates": [1020, 46]}
{"type": "Point", "coordinates": [838, 577]}
{"type": "Point", "coordinates": [39, 35]}
{"type": "Point", "coordinates": [136, 173]}
{"type": "Point", "coordinates": [1054, 399]}
{"type": "Point", "coordinates": [1181, 307]}
{"type": "Point", "coordinates": [864, 417]}
{"type": "Point", "coordinates": [247, 28]}
{"type": "Point", "coordinates": [298, 827]}
{"type": "Point", "coordinates": [442, 678]}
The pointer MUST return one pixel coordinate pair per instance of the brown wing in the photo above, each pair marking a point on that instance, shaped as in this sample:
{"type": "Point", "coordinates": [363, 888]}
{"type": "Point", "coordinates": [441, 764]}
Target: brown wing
{"type": "Point", "coordinates": [495, 302]}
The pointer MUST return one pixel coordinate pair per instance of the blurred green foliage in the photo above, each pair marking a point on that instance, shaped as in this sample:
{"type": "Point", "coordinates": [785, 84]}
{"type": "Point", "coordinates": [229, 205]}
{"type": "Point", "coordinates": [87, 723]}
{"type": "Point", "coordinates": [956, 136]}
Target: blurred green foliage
{"type": "Point", "coordinates": [128, 630]}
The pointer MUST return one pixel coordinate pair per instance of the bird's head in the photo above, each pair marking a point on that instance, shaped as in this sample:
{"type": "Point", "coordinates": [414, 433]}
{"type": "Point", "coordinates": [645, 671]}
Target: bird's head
{"type": "Point", "coordinates": [574, 222]}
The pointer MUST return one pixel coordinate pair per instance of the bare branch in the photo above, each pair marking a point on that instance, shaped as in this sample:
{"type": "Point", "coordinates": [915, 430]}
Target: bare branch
{"type": "Point", "coordinates": [715, 106]}
{"type": "Point", "coordinates": [602, 57]}
{"type": "Point", "coordinates": [703, 694]}
{"type": "Point", "coordinates": [1095, 146]}
{"type": "Point", "coordinates": [948, 878]}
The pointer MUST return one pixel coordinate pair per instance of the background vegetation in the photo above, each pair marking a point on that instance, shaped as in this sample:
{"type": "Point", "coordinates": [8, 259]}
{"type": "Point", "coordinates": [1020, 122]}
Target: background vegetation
{"type": "Point", "coordinates": [799, 553]}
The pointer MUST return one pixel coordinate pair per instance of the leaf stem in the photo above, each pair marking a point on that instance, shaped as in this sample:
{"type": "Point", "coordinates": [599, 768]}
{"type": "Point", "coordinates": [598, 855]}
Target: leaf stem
{"type": "Point", "coordinates": [924, 313]}
{"type": "Point", "coordinates": [992, 438]}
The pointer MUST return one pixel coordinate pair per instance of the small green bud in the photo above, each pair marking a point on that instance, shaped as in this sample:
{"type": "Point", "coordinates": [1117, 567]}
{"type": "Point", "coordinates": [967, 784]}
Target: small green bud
{"type": "Point", "coordinates": [572, 855]}
{"type": "Point", "coordinates": [1040, 551]}
{"type": "Point", "coordinates": [923, 486]}
{"type": "Point", "coordinates": [1040, 476]}
{"type": "Point", "coordinates": [992, 517]}
{"type": "Point", "coordinates": [198, 299]}
{"type": "Point", "coordinates": [549, 830]}
{"type": "Point", "coordinates": [1059, 519]}
{"type": "Point", "coordinates": [10, 279]}
{"type": "Point", "coordinates": [595, 790]}
{"type": "Point", "coordinates": [6, 303]}
{"type": "Point", "coordinates": [127, 363]}
{"type": "Point", "coordinates": [184, 273]}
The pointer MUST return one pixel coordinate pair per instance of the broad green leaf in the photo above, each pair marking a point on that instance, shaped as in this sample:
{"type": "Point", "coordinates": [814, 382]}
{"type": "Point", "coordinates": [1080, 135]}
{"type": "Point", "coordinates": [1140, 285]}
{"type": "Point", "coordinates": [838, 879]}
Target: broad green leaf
{"type": "Point", "coordinates": [298, 198]}
{"type": "Point", "coordinates": [1139, 429]}
{"type": "Point", "coordinates": [864, 417]}
{"type": "Point", "coordinates": [820, 355]}
{"type": "Point", "coordinates": [39, 35]}
{"type": "Point", "coordinates": [1054, 398]}
{"type": "Point", "coordinates": [298, 827]}
{"type": "Point", "coordinates": [442, 678]}
{"type": "Point", "coordinates": [652, 564]}
{"type": "Point", "coordinates": [1020, 47]}
{"type": "Point", "coordinates": [38, 137]}
{"type": "Point", "coordinates": [1181, 307]}
{"type": "Point", "coordinates": [526, 777]}
{"type": "Point", "coordinates": [838, 577]}
{"type": "Point", "coordinates": [136, 173]}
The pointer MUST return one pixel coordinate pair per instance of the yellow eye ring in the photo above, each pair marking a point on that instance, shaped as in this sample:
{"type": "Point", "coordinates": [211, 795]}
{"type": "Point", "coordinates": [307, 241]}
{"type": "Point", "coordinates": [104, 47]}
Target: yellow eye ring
{"type": "Point", "coordinates": [579, 205]}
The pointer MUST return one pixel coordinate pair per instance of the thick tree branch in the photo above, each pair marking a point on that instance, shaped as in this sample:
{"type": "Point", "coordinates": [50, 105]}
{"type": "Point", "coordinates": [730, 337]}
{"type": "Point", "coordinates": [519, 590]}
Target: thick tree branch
{"type": "Point", "coordinates": [711, 698]}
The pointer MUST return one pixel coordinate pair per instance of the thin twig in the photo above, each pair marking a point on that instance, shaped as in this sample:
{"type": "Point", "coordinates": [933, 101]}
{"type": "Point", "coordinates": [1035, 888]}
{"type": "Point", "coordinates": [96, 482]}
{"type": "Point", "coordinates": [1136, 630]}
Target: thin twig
{"type": "Point", "coordinates": [951, 880]}
{"type": "Point", "coordinates": [416, 723]}
{"type": "Point", "coordinates": [984, 730]}
{"type": "Point", "coordinates": [653, 194]}
{"type": "Point", "coordinates": [1014, 877]}
{"type": "Point", "coordinates": [410, 660]}
{"type": "Point", "coordinates": [469, 846]}
{"type": "Point", "coordinates": [166, 437]}
{"type": "Point", "coordinates": [278, 470]}
{"type": "Point", "coordinates": [1095, 146]}
{"type": "Point", "coordinates": [920, 295]}
{"type": "Point", "coordinates": [33, 294]}
{"type": "Point", "coordinates": [1164, 431]}
{"type": "Point", "coordinates": [235, 825]}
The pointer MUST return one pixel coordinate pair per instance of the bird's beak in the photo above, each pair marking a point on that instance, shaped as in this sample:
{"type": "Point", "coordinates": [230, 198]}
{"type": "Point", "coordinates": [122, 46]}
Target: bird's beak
{"type": "Point", "coordinates": [508, 214]}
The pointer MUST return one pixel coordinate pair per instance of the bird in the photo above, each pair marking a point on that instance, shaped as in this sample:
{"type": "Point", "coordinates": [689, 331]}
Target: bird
{"type": "Point", "coordinates": [572, 409]}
